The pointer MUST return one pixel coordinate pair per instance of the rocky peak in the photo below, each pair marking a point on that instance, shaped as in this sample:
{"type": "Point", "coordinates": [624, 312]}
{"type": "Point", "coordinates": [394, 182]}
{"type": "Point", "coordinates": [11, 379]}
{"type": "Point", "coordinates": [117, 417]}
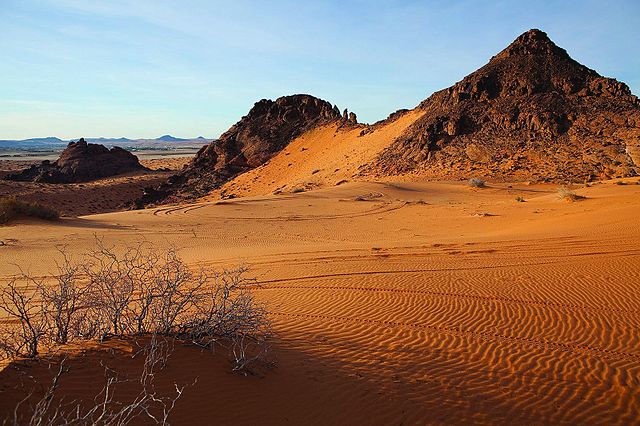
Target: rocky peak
{"type": "Point", "coordinates": [81, 162]}
{"type": "Point", "coordinates": [533, 42]}
{"type": "Point", "coordinates": [264, 131]}
{"type": "Point", "coordinates": [531, 98]}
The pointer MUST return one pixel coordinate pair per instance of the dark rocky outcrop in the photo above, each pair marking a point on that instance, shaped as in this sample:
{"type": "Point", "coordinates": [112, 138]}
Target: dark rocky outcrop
{"type": "Point", "coordinates": [81, 162]}
{"type": "Point", "coordinates": [264, 131]}
{"type": "Point", "coordinates": [532, 112]}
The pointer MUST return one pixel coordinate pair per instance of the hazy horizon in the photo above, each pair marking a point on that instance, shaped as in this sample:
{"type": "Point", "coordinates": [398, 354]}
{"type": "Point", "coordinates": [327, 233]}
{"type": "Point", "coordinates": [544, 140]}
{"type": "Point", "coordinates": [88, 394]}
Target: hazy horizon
{"type": "Point", "coordinates": [144, 68]}
{"type": "Point", "coordinates": [107, 137]}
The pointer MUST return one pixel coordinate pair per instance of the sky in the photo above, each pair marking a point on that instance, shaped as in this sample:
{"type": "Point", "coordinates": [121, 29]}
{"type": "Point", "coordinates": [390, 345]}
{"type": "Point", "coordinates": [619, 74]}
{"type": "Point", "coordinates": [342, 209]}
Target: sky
{"type": "Point", "coordinates": [144, 68]}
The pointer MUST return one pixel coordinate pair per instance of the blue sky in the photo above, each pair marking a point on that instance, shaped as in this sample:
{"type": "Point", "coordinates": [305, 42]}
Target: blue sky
{"type": "Point", "coordinates": [143, 68]}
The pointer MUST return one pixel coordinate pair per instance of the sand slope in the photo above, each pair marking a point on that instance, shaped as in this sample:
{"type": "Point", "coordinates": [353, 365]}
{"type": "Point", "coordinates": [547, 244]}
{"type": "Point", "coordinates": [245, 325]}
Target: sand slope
{"type": "Point", "coordinates": [321, 157]}
{"type": "Point", "coordinates": [404, 303]}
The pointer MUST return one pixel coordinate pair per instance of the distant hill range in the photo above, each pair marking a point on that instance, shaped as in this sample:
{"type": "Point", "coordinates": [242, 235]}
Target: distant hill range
{"type": "Point", "coordinates": [52, 141]}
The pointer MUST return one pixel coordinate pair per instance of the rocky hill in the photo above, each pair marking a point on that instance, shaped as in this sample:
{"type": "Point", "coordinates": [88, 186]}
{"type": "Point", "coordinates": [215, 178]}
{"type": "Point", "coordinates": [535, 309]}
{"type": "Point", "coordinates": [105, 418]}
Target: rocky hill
{"type": "Point", "coordinates": [81, 162]}
{"type": "Point", "coordinates": [264, 131]}
{"type": "Point", "coordinates": [532, 112]}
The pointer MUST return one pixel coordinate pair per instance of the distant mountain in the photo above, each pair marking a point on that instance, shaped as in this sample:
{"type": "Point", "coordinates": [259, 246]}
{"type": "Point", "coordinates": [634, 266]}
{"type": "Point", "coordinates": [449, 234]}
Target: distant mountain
{"type": "Point", "coordinates": [169, 138]}
{"type": "Point", "coordinates": [108, 140]}
{"type": "Point", "coordinates": [47, 140]}
{"type": "Point", "coordinates": [57, 142]}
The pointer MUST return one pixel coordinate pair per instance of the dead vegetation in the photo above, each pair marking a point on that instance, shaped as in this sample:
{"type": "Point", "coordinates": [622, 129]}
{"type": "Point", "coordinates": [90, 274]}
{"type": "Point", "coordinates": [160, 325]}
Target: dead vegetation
{"type": "Point", "coordinates": [477, 183]}
{"type": "Point", "coordinates": [134, 291]}
{"type": "Point", "coordinates": [105, 408]}
{"type": "Point", "coordinates": [565, 193]}
{"type": "Point", "coordinates": [11, 208]}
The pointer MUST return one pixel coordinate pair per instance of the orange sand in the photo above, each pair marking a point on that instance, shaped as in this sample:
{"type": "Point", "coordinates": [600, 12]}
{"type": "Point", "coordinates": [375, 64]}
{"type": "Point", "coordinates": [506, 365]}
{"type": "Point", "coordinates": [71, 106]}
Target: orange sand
{"type": "Point", "coordinates": [422, 303]}
{"type": "Point", "coordinates": [325, 156]}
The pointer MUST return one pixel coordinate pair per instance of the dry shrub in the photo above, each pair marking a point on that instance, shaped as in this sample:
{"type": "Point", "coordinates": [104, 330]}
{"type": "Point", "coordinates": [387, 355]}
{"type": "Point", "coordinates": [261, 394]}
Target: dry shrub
{"type": "Point", "coordinates": [104, 408]}
{"type": "Point", "coordinates": [135, 291]}
{"type": "Point", "coordinates": [477, 183]}
{"type": "Point", "coordinates": [12, 208]}
{"type": "Point", "coordinates": [565, 193]}
{"type": "Point", "coordinates": [28, 324]}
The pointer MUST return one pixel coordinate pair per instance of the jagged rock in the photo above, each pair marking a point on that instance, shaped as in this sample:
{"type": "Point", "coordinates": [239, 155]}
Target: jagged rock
{"type": "Point", "coordinates": [352, 118]}
{"type": "Point", "coordinates": [81, 162]}
{"type": "Point", "coordinates": [264, 131]}
{"type": "Point", "coordinates": [345, 115]}
{"type": "Point", "coordinates": [531, 112]}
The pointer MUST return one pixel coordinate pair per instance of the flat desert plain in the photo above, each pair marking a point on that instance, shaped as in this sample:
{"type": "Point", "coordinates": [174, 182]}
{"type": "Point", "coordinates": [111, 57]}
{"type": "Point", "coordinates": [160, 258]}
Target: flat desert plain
{"type": "Point", "coordinates": [393, 303]}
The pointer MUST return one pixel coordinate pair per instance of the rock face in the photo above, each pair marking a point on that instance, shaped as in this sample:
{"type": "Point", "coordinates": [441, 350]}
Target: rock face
{"type": "Point", "coordinates": [532, 112]}
{"type": "Point", "coordinates": [264, 131]}
{"type": "Point", "coordinates": [81, 162]}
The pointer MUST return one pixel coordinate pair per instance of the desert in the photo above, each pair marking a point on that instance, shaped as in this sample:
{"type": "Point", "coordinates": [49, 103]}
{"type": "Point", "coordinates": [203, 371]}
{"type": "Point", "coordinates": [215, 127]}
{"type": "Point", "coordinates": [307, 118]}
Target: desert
{"type": "Point", "coordinates": [474, 259]}
{"type": "Point", "coordinates": [426, 300]}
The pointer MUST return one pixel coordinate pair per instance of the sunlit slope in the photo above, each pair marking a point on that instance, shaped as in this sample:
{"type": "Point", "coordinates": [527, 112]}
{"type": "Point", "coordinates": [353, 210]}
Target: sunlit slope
{"type": "Point", "coordinates": [324, 156]}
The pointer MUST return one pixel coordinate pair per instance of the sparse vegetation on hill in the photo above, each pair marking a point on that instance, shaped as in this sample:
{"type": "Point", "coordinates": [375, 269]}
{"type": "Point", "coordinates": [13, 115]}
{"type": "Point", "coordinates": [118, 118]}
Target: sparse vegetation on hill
{"type": "Point", "coordinates": [11, 208]}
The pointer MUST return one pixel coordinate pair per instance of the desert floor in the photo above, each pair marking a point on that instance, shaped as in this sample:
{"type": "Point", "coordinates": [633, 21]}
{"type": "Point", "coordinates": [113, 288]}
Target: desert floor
{"type": "Point", "coordinates": [395, 303]}
{"type": "Point", "coordinates": [102, 195]}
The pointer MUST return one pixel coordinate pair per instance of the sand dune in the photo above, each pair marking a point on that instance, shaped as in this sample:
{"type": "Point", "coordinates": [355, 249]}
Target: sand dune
{"type": "Point", "coordinates": [325, 156]}
{"type": "Point", "coordinates": [401, 303]}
